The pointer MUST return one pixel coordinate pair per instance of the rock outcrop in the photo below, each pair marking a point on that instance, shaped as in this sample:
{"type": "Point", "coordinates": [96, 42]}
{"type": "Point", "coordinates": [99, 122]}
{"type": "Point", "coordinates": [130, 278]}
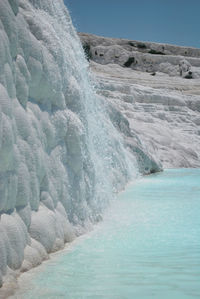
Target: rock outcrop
{"type": "Point", "coordinates": [143, 56]}
{"type": "Point", "coordinates": [148, 83]}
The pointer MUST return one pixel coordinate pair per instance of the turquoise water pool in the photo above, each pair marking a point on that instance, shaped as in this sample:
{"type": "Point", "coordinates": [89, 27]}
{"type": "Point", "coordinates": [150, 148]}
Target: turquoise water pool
{"type": "Point", "coordinates": [148, 246]}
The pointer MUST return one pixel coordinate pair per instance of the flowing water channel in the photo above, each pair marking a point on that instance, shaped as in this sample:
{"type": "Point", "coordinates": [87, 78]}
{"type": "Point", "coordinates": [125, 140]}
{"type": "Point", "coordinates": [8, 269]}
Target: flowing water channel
{"type": "Point", "coordinates": [148, 246]}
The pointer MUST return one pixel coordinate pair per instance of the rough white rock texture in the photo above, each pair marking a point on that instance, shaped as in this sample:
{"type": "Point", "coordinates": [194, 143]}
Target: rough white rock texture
{"type": "Point", "coordinates": [143, 56]}
{"type": "Point", "coordinates": [161, 104]}
{"type": "Point", "coordinates": [61, 154]}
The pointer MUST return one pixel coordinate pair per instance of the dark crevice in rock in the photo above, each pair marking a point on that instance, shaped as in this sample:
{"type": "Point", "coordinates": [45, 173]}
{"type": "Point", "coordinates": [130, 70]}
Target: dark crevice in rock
{"type": "Point", "coordinates": [152, 51]}
{"type": "Point", "coordinates": [129, 61]}
{"type": "Point", "coordinates": [141, 46]}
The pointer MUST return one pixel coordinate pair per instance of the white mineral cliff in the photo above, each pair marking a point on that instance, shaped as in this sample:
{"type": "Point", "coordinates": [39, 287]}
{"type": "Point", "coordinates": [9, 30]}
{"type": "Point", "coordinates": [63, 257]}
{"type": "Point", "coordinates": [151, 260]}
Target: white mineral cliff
{"type": "Point", "coordinates": [64, 150]}
{"type": "Point", "coordinates": [157, 89]}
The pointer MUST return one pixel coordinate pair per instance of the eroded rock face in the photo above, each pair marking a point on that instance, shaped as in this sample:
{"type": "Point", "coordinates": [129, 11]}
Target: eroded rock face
{"type": "Point", "coordinates": [143, 56]}
{"type": "Point", "coordinates": [185, 69]}
{"type": "Point", "coordinates": [162, 110]}
{"type": "Point", "coordinates": [166, 121]}
{"type": "Point", "coordinates": [61, 154]}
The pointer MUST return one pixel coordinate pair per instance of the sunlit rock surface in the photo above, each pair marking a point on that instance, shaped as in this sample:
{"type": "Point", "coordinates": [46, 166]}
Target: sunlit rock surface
{"type": "Point", "coordinates": [157, 89]}
{"type": "Point", "coordinates": [143, 56]}
{"type": "Point", "coordinates": [64, 150]}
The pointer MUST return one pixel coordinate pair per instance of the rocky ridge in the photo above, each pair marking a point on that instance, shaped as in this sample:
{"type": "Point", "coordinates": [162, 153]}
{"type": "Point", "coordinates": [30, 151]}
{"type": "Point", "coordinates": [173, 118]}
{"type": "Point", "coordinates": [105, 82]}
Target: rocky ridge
{"type": "Point", "coordinates": [157, 89]}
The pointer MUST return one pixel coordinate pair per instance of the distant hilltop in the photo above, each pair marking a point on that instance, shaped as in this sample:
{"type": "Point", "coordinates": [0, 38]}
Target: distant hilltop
{"type": "Point", "coordinates": [143, 56]}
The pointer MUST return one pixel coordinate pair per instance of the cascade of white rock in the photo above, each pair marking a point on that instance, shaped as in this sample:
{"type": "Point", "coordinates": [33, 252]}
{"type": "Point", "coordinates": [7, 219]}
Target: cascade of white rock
{"type": "Point", "coordinates": [156, 88]}
{"type": "Point", "coordinates": [61, 154]}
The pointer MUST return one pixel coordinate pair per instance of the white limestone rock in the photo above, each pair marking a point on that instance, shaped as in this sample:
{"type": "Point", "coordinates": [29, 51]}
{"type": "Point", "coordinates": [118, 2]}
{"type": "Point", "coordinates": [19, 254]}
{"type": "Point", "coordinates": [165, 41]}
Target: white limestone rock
{"type": "Point", "coordinates": [143, 56]}
{"type": "Point", "coordinates": [185, 69]}
{"type": "Point", "coordinates": [162, 112]}
{"type": "Point", "coordinates": [58, 168]}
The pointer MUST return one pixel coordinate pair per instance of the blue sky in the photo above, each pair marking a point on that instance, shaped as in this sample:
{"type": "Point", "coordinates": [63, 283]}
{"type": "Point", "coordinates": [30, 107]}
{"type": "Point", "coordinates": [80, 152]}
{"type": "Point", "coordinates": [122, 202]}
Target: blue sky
{"type": "Point", "coordinates": [165, 21]}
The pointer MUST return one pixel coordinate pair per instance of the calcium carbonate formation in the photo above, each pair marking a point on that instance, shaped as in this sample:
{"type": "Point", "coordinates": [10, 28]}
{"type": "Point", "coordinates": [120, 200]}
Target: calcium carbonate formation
{"type": "Point", "coordinates": [157, 89]}
{"type": "Point", "coordinates": [64, 150]}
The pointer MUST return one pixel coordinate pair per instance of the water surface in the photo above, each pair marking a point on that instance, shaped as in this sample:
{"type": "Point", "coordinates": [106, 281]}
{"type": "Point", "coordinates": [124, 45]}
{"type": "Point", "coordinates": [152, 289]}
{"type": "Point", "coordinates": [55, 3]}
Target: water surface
{"type": "Point", "coordinates": [148, 246]}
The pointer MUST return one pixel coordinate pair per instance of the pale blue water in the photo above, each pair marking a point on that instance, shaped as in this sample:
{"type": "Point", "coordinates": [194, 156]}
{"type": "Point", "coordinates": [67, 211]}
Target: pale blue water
{"type": "Point", "coordinates": [147, 247]}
